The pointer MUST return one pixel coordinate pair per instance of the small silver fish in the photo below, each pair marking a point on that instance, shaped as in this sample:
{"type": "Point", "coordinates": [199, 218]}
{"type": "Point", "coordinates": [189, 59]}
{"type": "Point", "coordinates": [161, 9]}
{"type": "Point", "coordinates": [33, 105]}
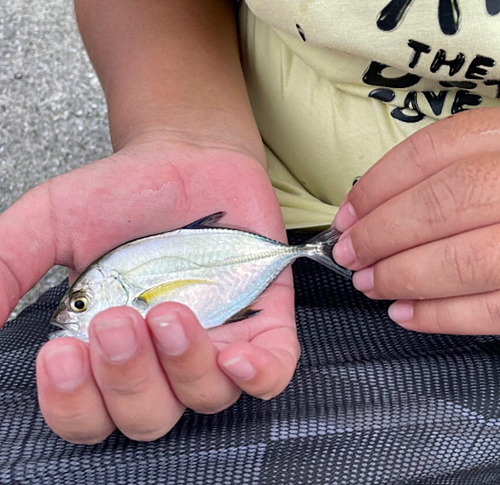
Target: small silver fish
{"type": "Point", "coordinates": [217, 272]}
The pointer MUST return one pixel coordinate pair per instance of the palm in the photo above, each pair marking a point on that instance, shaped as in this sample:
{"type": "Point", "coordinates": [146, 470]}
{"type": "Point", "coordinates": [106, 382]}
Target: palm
{"type": "Point", "coordinates": [146, 189]}
{"type": "Point", "coordinates": [76, 217]}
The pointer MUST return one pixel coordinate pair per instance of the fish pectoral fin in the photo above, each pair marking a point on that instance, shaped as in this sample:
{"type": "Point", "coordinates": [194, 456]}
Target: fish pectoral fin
{"type": "Point", "coordinates": [243, 315]}
{"type": "Point", "coordinates": [206, 222]}
{"type": "Point", "coordinates": [161, 290]}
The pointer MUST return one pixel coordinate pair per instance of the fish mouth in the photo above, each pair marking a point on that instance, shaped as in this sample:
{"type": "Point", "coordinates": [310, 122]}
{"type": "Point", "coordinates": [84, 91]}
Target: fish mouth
{"type": "Point", "coordinates": [64, 320]}
{"type": "Point", "coordinates": [68, 332]}
{"type": "Point", "coordinates": [67, 327]}
{"type": "Point", "coordinates": [54, 321]}
{"type": "Point", "coordinates": [57, 334]}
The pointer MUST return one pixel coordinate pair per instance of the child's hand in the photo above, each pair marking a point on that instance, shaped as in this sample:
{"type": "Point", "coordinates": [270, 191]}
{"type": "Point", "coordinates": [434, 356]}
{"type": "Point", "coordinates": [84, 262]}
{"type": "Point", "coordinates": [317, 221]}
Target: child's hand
{"type": "Point", "coordinates": [424, 227]}
{"type": "Point", "coordinates": [139, 375]}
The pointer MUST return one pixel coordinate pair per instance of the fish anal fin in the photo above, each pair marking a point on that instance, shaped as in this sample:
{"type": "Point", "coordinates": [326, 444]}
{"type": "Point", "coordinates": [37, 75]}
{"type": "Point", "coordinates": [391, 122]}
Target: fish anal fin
{"type": "Point", "coordinates": [243, 315]}
{"type": "Point", "coordinates": [206, 222]}
{"type": "Point", "coordinates": [159, 291]}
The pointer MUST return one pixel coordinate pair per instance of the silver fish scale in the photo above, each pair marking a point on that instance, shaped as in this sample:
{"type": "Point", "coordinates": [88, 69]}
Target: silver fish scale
{"type": "Point", "coordinates": [233, 288]}
{"type": "Point", "coordinates": [238, 265]}
{"type": "Point", "coordinates": [216, 272]}
{"type": "Point", "coordinates": [201, 245]}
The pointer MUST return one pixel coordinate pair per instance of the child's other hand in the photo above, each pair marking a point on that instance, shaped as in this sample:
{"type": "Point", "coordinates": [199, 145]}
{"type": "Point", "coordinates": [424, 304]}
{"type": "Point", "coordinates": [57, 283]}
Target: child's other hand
{"type": "Point", "coordinates": [423, 226]}
{"type": "Point", "coordinates": [139, 375]}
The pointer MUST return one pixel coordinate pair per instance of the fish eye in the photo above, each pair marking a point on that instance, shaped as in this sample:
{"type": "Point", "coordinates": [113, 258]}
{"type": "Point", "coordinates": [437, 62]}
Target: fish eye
{"type": "Point", "coordinates": [79, 304]}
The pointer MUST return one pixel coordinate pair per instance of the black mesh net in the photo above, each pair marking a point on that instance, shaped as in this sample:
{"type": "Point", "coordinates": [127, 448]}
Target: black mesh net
{"type": "Point", "coordinates": [370, 403]}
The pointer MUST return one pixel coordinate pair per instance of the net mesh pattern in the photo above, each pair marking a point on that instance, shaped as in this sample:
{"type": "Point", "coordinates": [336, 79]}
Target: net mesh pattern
{"type": "Point", "coordinates": [370, 403]}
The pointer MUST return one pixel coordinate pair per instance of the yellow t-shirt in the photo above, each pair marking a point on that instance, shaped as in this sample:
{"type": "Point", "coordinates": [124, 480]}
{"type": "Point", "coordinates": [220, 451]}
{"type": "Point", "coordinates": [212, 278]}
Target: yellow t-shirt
{"type": "Point", "coordinates": [335, 84]}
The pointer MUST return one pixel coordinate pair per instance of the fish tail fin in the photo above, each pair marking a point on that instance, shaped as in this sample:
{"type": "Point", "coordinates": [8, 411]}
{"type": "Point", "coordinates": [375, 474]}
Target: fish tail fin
{"type": "Point", "coordinates": [320, 247]}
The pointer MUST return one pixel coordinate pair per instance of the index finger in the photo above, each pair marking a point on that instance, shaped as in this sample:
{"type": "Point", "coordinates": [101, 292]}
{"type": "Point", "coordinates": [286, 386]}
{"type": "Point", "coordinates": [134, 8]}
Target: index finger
{"type": "Point", "coordinates": [459, 198]}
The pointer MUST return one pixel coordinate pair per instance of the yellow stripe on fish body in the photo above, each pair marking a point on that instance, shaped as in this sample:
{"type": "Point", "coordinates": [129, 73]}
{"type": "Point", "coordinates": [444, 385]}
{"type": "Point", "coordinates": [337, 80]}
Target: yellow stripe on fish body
{"type": "Point", "coordinates": [161, 290]}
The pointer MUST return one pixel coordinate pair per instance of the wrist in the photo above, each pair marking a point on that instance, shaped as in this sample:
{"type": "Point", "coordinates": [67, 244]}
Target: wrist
{"type": "Point", "coordinates": [170, 66]}
{"type": "Point", "coordinates": [157, 137]}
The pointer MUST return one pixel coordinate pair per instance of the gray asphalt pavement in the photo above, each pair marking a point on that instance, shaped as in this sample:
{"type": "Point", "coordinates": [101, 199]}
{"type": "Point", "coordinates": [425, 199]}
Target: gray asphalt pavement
{"type": "Point", "coordinates": [52, 110]}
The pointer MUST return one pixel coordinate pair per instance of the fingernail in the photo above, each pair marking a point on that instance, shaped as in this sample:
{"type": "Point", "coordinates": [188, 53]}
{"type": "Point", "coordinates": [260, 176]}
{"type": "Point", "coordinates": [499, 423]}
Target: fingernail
{"type": "Point", "coordinates": [363, 280]}
{"type": "Point", "coordinates": [117, 338]}
{"type": "Point", "coordinates": [240, 368]}
{"type": "Point", "coordinates": [65, 366]}
{"type": "Point", "coordinates": [343, 252]}
{"type": "Point", "coordinates": [170, 334]}
{"type": "Point", "coordinates": [401, 311]}
{"type": "Point", "coordinates": [345, 218]}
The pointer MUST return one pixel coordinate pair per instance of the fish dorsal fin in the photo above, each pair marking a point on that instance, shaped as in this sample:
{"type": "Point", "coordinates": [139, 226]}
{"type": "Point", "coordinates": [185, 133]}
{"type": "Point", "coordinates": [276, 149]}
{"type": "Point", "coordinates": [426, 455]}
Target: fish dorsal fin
{"type": "Point", "coordinates": [159, 292]}
{"type": "Point", "coordinates": [206, 222]}
{"type": "Point", "coordinates": [243, 315]}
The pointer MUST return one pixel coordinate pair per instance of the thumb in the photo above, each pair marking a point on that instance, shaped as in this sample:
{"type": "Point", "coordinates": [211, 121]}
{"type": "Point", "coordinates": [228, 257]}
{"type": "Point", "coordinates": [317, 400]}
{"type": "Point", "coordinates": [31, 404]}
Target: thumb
{"type": "Point", "coordinates": [27, 246]}
{"type": "Point", "coordinates": [265, 366]}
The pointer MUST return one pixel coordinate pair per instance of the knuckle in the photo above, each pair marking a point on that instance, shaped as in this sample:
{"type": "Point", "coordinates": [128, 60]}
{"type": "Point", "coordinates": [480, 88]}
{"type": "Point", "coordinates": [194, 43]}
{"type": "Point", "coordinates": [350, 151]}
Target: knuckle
{"type": "Point", "coordinates": [209, 402]}
{"type": "Point", "coordinates": [364, 244]}
{"type": "Point", "coordinates": [421, 151]}
{"type": "Point", "coordinates": [78, 426]}
{"type": "Point", "coordinates": [187, 375]}
{"type": "Point", "coordinates": [270, 390]}
{"type": "Point", "coordinates": [487, 254]}
{"type": "Point", "coordinates": [438, 201]}
{"type": "Point", "coordinates": [268, 394]}
{"type": "Point", "coordinates": [492, 304]}
{"type": "Point", "coordinates": [145, 424]}
{"type": "Point", "coordinates": [467, 186]}
{"type": "Point", "coordinates": [460, 261]}
{"type": "Point", "coordinates": [468, 122]}
{"type": "Point", "coordinates": [478, 179]}
{"type": "Point", "coordinates": [361, 197]}
{"type": "Point", "coordinates": [386, 281]}
{"type": "Point", "coordinates": [126, 387]}
{"type": "Point", "coordinates": [441, 320]}
{"type": "Point", "coordinates": [84, 437]}
{"type": "Point", "coordinates": [12, 285]}
{"type": "Point", "coordinates": [398, 278]}
{"type": "Point", "coordinates": [434, 317]}
{"type": "Point", "coordinates": [68, 416]}
{"type": "Point", "coordinates": [452, 129]}
{"type": "Point", "coordinates": [290, 357]}
{"type": "Point", "coordinates": [146, 434]}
